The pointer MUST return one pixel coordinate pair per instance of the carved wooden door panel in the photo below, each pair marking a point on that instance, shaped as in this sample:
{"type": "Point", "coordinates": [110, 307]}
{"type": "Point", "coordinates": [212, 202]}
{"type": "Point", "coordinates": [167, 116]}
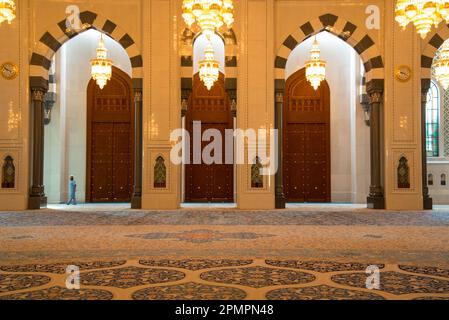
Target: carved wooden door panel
{"type": "Point", "coordinates": [316, 163]}
{"type": "Point", "coordinates": [101, 161]}
{"type": "Point", "coordinates": [306, 143]}
{"type": "Point", "coordinates": [209, 182]}
{"type": "Point", "coordinates": [122, 165]}
{"type": "Point", "coordinates": [222, 175]}
{"type": "Point", "coordinates": [294, 158]}
{"type": "Point", "coordinates": [110, 140]}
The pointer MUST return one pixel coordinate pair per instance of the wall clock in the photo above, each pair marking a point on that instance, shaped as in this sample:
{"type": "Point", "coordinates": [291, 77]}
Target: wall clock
{"type": "Point", "coordinates": [9, 70]}
{"type": "Point", "coordinates": [403, 73]}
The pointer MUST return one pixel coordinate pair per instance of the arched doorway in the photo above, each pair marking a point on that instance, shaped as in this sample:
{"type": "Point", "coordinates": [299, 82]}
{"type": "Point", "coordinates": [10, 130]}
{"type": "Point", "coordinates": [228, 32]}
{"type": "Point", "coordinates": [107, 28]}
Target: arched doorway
{"type": "Point", "coordinates": [47, 45]}
{"type": "Point", "coordinates": [110, 142]}
{"type": "Point", "coordinates": [366, 48]}
{"type": "Point", "coordinates": [209, 182]}
{"type": "Point", "coordinates": [306, 140]}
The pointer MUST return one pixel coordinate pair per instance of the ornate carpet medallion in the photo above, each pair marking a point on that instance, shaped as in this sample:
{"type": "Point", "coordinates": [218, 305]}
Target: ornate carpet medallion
{"type": "Point", "coordinates": [129, 277]}
{"type": "Point", "coordinates": [431, 271]}
{"type": "Point", "coordinates": [60, 293]}
{"type": "Point", "coordinates": [322, 292]}
{"type": "Point", "coordinates": [190, 291]}
{"type": "Point", "coordinates": [195, 264]}
{"type": "Point", "coordinates": [60, 268]}
{"type": "Point", "coordinates": [257, 277]}
{"type": "Point", "coordinates": [14, 282]}
{"type": "Point", "coordinates": [321, 266]}
{"type": "Point", "coordinates": [396, 283]}
{"type": "Point", "coordinates": [200, 236]}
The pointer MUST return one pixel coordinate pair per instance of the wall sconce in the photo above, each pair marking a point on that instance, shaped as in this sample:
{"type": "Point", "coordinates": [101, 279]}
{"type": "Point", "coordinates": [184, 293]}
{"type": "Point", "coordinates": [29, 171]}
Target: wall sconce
{"type": "Point", "coordinates": [364, 102]}
{"type": "Point", "coordinates": [49, 101]}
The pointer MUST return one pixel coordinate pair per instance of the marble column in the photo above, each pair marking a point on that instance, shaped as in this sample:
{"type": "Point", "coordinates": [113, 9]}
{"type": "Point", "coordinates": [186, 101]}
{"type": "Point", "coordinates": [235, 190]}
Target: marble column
{"type": "Point", "coordinates": [136, 199]}
{"type": "Point", "coordinates": [37, 198]}
{"type": "Point", "coordinates": [427, 200]}
{"type": "Point", "coordinates": [279, 185]}
{"type": "Point", "coordinates": [376, 198]}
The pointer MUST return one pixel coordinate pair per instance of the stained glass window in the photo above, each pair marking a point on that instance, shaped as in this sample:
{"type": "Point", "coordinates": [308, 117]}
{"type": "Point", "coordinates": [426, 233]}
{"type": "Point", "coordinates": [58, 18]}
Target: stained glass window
{"type": "Point", "coordinates": [433, 121]}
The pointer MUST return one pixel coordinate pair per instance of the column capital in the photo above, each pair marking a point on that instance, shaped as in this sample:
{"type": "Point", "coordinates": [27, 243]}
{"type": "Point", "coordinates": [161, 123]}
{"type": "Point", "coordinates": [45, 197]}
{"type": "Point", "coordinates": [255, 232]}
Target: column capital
{"type": "Point", "coordinates": [279, 96]}
{"type": "Point", "coordinates": [38, 94]}
{"type": "Point", "coordinates": [137, 95]}
{"type": "Point", "coordinates": [375, 96]}
{"type": "Point", "coordinates": [375, 85]}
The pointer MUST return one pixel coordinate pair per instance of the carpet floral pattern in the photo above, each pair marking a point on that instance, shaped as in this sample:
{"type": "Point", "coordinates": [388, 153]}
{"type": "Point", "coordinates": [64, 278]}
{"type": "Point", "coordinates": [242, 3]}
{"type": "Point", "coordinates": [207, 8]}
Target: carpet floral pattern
{"type": "Point", "coordinates": [60, 293]}
{"type": "Point", "coordinates": [195, 264]}
{"type": "Point", "coordinates": [199, 236]}
{"type": "Point", "coordinates": [129, 277]}
{"type": "Point", "coordinates": [226, 279]}
{"type": "Point", "coordinates": [397, 283]}
{"type": "Point", "coordinates": [297, 254]}
{"type": "Point", "coordinates": [322, 292]}
{"type": "Point", "coordinates": [190, 291]}
{"type": "Point", "coordinates": [258, 277]}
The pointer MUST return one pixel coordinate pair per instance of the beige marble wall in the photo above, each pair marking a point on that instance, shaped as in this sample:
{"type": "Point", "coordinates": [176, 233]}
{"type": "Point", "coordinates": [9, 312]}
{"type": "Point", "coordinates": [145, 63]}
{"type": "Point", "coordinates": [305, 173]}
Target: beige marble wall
{"type": "Point", "coordinates": [255, 103]}
{"type": "Point", "coordinates": [14, 110]}
{"type": "Point", "coordinates": [402, 113]}
{"type": "Point", "coordinates": [261, 27]}
{"type": "Point", "coordinates": [161, 100]}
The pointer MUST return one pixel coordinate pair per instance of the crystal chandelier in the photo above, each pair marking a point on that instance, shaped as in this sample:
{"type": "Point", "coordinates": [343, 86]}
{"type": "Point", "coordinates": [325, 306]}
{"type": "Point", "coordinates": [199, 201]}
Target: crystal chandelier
{"type": "Point", "coordinates": [440, 67]}
{"type": "Point", "coordinates": [209, 68]}
{"type": "Point", "coordinates": [315, 67]}
{"type": "Point", "coordinates": [7, 11]}
{"type": "Point", "coordinates": [208, 15]}
{"type": "Point", "coordinates": [101, 66]}
{"type": "Point", "coordinates": [422, 13]}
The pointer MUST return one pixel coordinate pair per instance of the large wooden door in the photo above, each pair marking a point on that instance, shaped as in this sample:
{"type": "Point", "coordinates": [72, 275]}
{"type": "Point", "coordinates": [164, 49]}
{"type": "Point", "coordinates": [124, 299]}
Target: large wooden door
{"type": "Point", "coordinates": [306, 142]}
{"type": "Point", "coordinates": [209, 182]}
{"type": "Point", "coordinates": [110, 143]}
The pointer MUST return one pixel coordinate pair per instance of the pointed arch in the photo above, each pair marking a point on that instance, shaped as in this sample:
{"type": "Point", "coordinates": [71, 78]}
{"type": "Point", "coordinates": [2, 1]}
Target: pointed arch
{"type": "Point", "coordinates": [356, 37]}
{"type": "Point", "coordinates": [430, 46]}
{"type": "Point", "coordinates": [53, 39]}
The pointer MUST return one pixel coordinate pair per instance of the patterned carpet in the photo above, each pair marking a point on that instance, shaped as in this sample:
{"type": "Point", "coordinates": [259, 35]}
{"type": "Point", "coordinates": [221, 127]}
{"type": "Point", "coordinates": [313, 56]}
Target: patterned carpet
{"type": "Point", "coordinates": [224, 254]}
{"type": "Point", "coordinates": [222, 280]}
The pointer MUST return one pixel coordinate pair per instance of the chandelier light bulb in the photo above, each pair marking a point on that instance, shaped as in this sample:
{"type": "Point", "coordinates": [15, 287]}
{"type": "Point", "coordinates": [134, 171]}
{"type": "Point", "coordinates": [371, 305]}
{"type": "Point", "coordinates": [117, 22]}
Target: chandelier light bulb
{"type": "Point", "coordinates": [315, 67]}
{"type": "Point", "coordinates": [7, 11]}
{"type": "Point", "coordinates": [208, 15]}
{"type": "Point", "coordinates": [101, 66]}
{"type": "Point", "coordinates": [209, 68]}
{"type": "Point", "coordinates": [423, 14]}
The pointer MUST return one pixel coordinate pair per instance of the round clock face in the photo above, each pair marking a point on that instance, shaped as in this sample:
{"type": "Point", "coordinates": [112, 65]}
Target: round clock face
{"type": "Point", "coordinates": [9, 70]}
{"type": "Point", "coordinates": [403, 73]}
